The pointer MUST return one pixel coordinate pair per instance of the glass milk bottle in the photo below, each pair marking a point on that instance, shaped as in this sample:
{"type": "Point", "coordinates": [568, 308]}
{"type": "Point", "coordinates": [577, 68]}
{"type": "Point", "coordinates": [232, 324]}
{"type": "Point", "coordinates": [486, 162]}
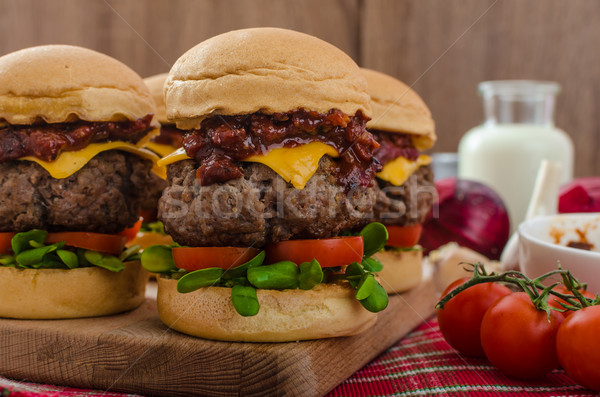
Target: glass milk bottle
{"type": "Point", "coordinates": [518, 133]}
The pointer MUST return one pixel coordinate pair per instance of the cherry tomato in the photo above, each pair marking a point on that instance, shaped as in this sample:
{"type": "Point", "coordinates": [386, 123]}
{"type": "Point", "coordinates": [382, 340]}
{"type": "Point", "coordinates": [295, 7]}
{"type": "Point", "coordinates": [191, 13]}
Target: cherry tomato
{"type": "Point", "coordinates": [131, 232]}
{"type": "Point", "coordinates": [330, 252]}
{"type": "Point", "coordinates": [578, 346]}
{"type": "Point", "coordinates": [107, 243]}
{"type": "Point", "coordinates": [195, 258]}
{"type": "Point", "coordinates": [404, 236]}
{"type": "Point", "coordinates": [519, 339]}
{"type": "Point", "coordinates": [460, 319]}
{"type": "Point", "coordinates": [553, 300]}
{"type": "Point", "coordinates": [5, 245]}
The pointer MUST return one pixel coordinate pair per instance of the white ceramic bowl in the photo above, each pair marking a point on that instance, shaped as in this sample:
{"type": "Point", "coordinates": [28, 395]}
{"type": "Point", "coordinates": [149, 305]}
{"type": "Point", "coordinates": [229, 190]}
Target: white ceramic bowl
{"type": "Point", "coordinates": [543, 243]}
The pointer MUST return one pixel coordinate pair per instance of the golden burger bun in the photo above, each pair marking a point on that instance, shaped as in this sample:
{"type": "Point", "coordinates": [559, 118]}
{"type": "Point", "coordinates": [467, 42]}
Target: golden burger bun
{"type": "Point", "coordinates": [156, 86]}
{"type": "Point", "coordinates": [70, 293]}
{"type": "Point", "coordinates": [328, 310]}
{"type": "Point", "coordinates": [63, 83]}
{"type": "Point", "coordinates": [398, 108]}
{"type": "Point", "coordinates": [402, 269]}
{"type": "Point", "coordinates": [262, 69]}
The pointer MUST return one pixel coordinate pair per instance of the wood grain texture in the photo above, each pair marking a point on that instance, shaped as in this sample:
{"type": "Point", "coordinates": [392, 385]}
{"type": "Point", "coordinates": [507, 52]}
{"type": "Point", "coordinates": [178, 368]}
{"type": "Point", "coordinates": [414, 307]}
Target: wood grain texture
{"type": "Point", "coordinates": [134, 352]}
{"type": "Point", "coordinates": [149, 35]}
{"type": "Point", "coordinates": [445, 48]}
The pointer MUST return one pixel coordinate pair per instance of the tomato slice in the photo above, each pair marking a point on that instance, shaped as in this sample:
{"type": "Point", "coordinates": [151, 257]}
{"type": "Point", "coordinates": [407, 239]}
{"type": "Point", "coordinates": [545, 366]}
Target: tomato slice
{"type": "Point", "coordinates": [404, 236]}
{"type": "Point", "coordinates": [106, 243]}
{"type": "Point", "coordinates": [195, 258]}
{"type": "Point", "coordinates": [5, 239]}
{"type": "Point", "coordinates": [131, 232]}
{"type": "Point", "coordinates": [330, 252]}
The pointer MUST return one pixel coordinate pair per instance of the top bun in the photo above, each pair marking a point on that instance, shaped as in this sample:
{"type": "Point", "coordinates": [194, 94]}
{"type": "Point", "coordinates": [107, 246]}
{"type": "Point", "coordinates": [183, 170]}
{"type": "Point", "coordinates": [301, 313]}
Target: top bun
{"type": "Point", "coordinates": [262, 69]}
{"type": "Point", "coordinates": [62, 83]}
{"type": "Point", "coordinates": [156, 84]}
{"type": "Point", "coordinates": [397, 108]}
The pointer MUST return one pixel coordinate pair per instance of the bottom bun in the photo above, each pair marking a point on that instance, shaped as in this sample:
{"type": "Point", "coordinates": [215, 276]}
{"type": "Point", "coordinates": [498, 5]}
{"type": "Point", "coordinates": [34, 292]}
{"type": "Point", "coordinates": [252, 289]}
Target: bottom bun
{"type": "Point", "coordinates": [402, 270]}
{"type": "Point", "coordinates": [328, 310]}
{"type": "Point", "coordinates": [73, 293]}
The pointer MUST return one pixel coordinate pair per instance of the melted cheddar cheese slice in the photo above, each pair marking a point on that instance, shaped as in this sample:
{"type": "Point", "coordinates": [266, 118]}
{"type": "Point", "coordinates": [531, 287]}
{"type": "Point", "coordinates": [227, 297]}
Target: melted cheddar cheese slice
{"type": "Point", "coordinates": [148, 138]}
{"type": "Point", "coordinates": [68, 163]}
{"type": "Point", "coordinates": [399, 170]}
{"type": "Point", "coordinates": [295, 165]}
{"type": "Point", "coordinates": [177, 155]}
{"type": "Point", "coordinates": [159, 148]}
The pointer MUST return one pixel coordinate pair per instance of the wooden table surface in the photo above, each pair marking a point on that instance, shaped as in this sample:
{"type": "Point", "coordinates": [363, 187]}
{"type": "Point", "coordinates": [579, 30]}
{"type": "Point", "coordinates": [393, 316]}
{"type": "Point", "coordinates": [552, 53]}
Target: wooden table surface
{"type": "Point", "coordinates": [134, 352]}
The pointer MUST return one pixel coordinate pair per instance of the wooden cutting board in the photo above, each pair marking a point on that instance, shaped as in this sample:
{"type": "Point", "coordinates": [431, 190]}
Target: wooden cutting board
{"type": "Point", "coordinates": [134, 352]}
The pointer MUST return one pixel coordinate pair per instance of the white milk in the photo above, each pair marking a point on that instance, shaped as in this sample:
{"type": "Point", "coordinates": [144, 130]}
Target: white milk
{"type": "Point", "coordinates": [507, 157]}
{"type": "Point", "coordinates": [507, 150]}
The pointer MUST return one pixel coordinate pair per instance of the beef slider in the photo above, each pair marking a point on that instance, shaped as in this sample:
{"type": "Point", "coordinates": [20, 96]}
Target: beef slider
{"type": "Point", "coordinates": [72, 125]}
{"type": "Point", "coordinates": [403, 127]}
{"type": "Point", "coordinates": [277, 152]}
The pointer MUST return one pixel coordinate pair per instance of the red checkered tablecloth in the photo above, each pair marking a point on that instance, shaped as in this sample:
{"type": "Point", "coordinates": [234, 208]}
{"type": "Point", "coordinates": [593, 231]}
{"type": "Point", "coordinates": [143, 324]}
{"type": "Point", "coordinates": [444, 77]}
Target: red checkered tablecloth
{"type": "Point", "coordinates": [421, 364]}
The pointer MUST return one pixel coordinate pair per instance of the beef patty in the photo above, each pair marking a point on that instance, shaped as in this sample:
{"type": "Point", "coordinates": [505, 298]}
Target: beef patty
{"type": "Point", "coordinates": [103, 197]}
{"type": "Point", "coordinates": [407, 204]}
{"type": "Point", "coordinates": [259, 207]}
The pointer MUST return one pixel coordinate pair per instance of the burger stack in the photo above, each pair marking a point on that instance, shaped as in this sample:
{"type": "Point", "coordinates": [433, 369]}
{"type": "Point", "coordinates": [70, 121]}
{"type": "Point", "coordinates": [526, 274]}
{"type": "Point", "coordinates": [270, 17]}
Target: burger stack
{"type": "Point", "coordinates": [275, 151]}
{"type": "Point", "coordinates": [274, 185]}
{"type": "Point", "coordinates": [72, 176]}
{"type": "Point", "coordinates": [403, 127]}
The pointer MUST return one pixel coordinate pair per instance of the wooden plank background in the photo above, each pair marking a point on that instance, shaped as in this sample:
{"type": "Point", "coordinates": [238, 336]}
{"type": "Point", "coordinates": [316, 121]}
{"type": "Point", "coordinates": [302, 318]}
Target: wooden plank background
{"type": "Point", "coordinates": [442, 47]}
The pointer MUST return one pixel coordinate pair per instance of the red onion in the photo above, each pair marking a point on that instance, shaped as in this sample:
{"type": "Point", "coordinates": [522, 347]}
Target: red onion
{"type": "Point", "coordinates": [470, 214]}
{"type": "Point", "coordinates": [580, 195]}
